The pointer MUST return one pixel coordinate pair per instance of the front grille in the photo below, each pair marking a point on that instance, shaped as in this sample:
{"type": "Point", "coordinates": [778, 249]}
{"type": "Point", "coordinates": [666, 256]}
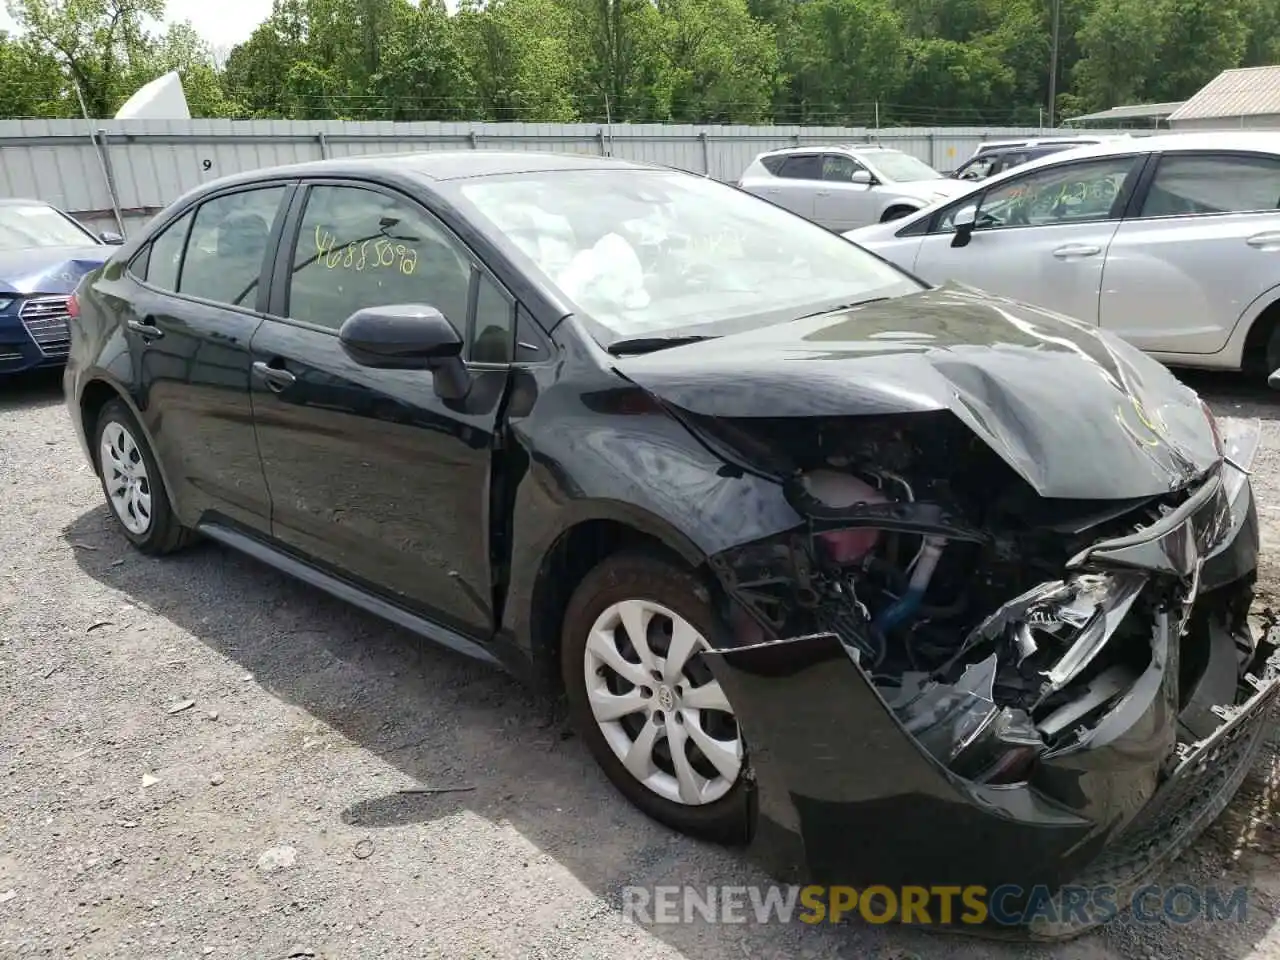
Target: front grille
{"type": "Point", "coordinates": [46, 319]}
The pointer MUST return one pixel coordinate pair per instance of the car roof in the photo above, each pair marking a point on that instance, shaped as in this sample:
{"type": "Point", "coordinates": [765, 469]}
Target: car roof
{"type": "Point", "coordinates": [442, 165]}
{"type": "Point", "coordinates": [1217, 141]}
{"type": "Point", "coordinates": [22, 202]}
{"type": "Point", "coordinates": [1039, 141]}
{"type": "Point", "coordinates": [825, 147]}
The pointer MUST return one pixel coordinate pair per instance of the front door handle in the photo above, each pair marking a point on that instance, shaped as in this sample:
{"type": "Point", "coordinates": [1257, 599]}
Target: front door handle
{"type": "Point", "coordinates": [1265, 241]}
{"type": "Point", "coordinates": [145, 328]}
{"type": "Point", "coordinates": [823, 193]}
{"type": "Point", "coordinates": [1076, 251]}
{"type": "Point", "coordinates": [276, 378]}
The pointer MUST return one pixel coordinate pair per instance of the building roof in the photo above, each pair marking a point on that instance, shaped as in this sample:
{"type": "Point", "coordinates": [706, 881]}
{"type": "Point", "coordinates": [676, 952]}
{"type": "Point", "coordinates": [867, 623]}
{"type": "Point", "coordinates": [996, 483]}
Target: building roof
{"type": "Point", "coordinates": [1248, 91]}
{"type": "Point", "coordinates": [1134, 111]}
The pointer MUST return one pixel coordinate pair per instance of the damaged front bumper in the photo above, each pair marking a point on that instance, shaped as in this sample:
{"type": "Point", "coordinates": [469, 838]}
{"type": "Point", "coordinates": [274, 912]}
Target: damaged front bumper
{"type": "Point", "coordinates": [1106, 774]}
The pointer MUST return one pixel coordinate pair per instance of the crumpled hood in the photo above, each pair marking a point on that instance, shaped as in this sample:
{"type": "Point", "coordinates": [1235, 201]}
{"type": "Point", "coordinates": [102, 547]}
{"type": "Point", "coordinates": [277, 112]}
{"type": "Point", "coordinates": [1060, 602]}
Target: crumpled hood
{"type": "Point", "coordinates": [47, 269]}
{"type": "Point", "coordinates": [1077, 413]}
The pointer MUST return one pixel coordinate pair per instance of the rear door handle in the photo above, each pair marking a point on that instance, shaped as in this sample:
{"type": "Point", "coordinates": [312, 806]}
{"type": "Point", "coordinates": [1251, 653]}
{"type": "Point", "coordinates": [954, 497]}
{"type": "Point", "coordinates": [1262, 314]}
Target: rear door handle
{"type": "Point", "coordinates": [145, 328]}
{"type": "Point", "coordinates": [1265, 241]}
{"type": "Point", "coordinates": [1075, 251]}
{"type": "Point", "coordinates": [276, 378]}
{"type": "Point", "coordinates": [823, 193]}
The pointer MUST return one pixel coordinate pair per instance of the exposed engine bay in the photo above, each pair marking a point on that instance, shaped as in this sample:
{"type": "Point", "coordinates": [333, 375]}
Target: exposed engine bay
{"type": "Point", "coordinates": [977, 607]}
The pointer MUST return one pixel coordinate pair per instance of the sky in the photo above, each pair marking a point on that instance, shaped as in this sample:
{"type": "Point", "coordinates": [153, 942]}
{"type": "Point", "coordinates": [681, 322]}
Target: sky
{"type": "Point", "coordinates": [222, 23]}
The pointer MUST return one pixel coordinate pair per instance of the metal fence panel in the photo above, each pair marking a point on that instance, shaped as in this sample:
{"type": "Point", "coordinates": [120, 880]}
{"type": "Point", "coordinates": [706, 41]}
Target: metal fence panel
{"type": "Point", "coordinates": [139, 166]}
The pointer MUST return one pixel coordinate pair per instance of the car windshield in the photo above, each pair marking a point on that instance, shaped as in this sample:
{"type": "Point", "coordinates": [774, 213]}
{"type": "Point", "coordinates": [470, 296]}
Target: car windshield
{"type": "Point", "coordinates": [902, 167]}
{"type": "Point", "coordinates": [641, 251]}
{"type": "Point", "coordinates": [23, 226]}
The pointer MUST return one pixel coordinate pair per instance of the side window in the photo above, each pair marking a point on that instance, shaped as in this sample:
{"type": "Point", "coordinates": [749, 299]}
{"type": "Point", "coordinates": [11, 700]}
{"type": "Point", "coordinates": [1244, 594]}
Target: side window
{"type": "Point", "coordinates": [1070, 193]}
{"type": "Point", "coordinates": [1190, 185]}
{"type": "Point", "coordinates": [360, 248]}
{"type": "Point", "coordinates": [162, 258]}
{"type": "Point", "coordinates": [836, 166]}
{"type": "Point", "coordinates": [1011, 160]}
{"type": "Point", "coordinates": [495, 325]}
{"type": "Point", "coordinates": [978, 168]}
{"type": "Point", "coordinates": [804, 166]}
{"type": "Point", "coordinates": [228, 242]}
{"type": "Point", "coordinates": [773, 164]}
{"type": "Point", "coordinates": [531, 342]}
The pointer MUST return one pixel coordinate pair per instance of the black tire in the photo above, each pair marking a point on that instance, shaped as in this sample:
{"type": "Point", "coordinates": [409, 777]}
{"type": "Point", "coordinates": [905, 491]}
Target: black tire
{"type": "Point", "coordinates": [1272, 354]}
{"type": "Point", "coordinates": [640, 576]}
{"type": "Point", "coordinates": [163, 534]}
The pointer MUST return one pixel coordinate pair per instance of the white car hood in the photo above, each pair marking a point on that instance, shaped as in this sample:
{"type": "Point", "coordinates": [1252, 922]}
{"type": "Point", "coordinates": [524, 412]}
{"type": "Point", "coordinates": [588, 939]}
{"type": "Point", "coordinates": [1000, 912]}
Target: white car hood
{"type": "Point", "coordinates": [930, 191]}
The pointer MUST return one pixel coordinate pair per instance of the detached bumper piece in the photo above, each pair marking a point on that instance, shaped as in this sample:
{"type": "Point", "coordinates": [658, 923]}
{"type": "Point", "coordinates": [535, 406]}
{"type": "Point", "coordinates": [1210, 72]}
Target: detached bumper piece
{"type": "Point", "coordinates": [1081, 733]}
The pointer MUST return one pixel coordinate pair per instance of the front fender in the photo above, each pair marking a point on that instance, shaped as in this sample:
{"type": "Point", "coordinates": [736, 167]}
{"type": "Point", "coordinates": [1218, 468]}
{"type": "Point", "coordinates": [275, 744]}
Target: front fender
{"type": "Point", "coordinates": [615, 454]}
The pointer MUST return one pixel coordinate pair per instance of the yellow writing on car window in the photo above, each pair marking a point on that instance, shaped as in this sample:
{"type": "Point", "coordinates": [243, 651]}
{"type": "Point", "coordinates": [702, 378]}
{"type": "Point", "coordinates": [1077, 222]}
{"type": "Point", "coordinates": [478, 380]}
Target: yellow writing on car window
{"type": "Point", "coordinates": [381, 254]}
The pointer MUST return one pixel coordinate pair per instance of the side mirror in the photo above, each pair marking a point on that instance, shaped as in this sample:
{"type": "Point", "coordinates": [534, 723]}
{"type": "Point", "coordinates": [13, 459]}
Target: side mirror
{"type": "Point", "coordinates": [862, 177]}
{"type": "Point", "coordinates": [408, 336]}
{"type": "Point", "coordinates": [111, 237]}
{"type": "Point", "coordinates": [964, 221]}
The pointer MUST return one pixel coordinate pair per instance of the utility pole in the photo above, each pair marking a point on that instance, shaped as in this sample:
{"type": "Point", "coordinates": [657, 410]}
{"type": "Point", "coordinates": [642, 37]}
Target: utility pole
{"type": "Point", "coordinates": [1053, 62]}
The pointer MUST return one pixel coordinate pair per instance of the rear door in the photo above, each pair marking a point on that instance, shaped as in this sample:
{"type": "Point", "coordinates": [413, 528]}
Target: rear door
{"type": "Point", "coordinates": [1041, 237]}
{"type": "Point", "coordinates": [1202, 246]}
{"type": "Point", "coordinates": [372, 475]}
{"type": "Point", "coordinates": [797, 183]}
{"type": "Point", "coordinates": [191, 300]}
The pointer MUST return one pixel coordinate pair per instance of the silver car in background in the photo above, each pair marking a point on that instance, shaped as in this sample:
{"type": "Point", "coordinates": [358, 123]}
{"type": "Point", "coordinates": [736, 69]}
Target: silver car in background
{"type": "Point", "coordinates": [1172, 242]}
{"type": "Point", "coordinates": [843, 187]}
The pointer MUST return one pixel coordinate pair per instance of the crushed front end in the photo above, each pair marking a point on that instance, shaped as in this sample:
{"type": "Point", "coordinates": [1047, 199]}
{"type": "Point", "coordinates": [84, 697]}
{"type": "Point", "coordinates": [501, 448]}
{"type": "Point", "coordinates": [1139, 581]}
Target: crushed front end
{"type": "Point", "coordinates": [945, 678]}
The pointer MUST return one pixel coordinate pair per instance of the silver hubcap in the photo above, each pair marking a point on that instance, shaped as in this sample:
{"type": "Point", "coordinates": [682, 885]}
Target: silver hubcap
{"type": "Point", "coordinates": [125, 475]}
{"type": "Point", "coordinates": [656, 703]}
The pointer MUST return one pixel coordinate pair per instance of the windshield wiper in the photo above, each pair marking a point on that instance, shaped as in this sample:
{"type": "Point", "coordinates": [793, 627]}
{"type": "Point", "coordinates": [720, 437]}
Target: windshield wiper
{"type": "Point", "coordinates": [650, 344]}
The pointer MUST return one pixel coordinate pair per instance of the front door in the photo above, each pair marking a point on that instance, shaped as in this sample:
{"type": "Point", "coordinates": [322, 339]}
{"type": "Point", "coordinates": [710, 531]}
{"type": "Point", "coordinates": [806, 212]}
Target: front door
{"type": "Point", "coordinates": [1041, 238]}
{"type": "Point", "coordinates": [373, 475]}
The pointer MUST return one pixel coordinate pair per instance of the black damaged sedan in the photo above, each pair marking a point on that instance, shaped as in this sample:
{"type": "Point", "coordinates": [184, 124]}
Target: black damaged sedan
{"type": "Point", "coordinates": [891, 584]}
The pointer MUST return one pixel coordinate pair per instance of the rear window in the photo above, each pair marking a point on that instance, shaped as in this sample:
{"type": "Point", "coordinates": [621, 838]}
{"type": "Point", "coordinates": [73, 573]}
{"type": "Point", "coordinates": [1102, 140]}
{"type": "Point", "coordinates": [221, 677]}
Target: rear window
{"type": "Point", "coordinates": [773, 164]}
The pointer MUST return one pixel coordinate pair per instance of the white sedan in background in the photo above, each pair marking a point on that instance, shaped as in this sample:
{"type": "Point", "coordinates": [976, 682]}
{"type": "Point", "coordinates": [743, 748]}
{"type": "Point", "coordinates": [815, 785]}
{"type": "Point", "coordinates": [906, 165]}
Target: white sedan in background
{"type": "Point", "coordinates": [1172, 242]}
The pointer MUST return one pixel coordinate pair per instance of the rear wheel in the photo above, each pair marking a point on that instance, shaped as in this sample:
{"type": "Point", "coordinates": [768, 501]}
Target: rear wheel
{"type": "Point", "coordinates": [131, 481]}
{"type": "Point", "coordinates": [644, 700]}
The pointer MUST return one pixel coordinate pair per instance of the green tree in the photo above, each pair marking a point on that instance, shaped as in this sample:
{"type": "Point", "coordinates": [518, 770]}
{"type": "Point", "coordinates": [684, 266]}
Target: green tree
{"type": "Point", "coordinates": [842, 57]}
{"type": "Point", "coordinates": [720, 64]}
{"type": "Point", "coordinates": [1121, 42]}
{"type": "Point", "coordinates": [518, 60]}
{"type": "Point", "coordinates": [32, 81]}
{"type": "Point", "coordinates": [1201, 38]}
{"type": "Point", "coordinates": [97, 41]}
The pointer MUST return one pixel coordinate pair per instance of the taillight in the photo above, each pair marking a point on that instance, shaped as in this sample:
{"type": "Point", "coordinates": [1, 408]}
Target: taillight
{"type": "Point", "coordinates": [73, 306]}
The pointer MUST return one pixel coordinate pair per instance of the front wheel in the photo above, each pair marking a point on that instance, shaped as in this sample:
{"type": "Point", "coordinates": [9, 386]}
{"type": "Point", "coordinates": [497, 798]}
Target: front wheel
{"type": "Point", "coordinates": [644, 700]}
{"type": "Point", "coordinates": [132, 484]}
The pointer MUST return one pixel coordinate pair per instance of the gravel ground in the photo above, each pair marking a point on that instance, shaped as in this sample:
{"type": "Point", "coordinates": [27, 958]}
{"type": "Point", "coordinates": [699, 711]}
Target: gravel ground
{"type": "Point", "coordinates": [203, 758]}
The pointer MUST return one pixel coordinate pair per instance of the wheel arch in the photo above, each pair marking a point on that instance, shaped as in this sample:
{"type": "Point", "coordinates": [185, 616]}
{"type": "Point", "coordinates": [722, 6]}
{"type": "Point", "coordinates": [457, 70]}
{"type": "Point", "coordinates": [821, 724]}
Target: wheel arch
{"type": "Point", "coordinates": [592, 533]}
{"type": "Point", "coordinates": [1259, 319]}
{"type": "Point", "coordinates": [899, 209]}
{"type": "Point", "coordinates": [95, 394]}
